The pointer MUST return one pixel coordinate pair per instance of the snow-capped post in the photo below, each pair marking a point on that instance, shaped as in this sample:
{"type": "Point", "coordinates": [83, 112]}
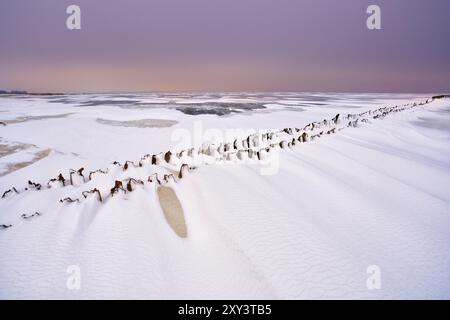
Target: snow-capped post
{"type": "Point", "coordinates": [305, 137]}
{"type": "Point", "coordinates": [183, 171]}
{"type": "Point", "coordinates": [93, 191]}
{"type": "Point", "coordinates": [242, 154]}
{"type": "Point", "coordinates": [373, 22]}
{"type": "Point", "coordinates": [336, 119]}
{"type": "Point", "coordinates": [283, 144]}
{"type": "Point", "coordinates": [77, 173]}
{"type": "Point", "coordinates": [157, 158]}
{"type": "Point", "coordinates": [117, 186]}
{"type": "Point", "coordinates": [73, 21]}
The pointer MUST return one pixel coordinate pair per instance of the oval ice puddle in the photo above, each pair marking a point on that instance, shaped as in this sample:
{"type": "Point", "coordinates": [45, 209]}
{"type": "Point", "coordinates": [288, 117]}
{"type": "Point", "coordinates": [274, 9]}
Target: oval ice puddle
{"type": "Point", "coordinates": [173, 211]}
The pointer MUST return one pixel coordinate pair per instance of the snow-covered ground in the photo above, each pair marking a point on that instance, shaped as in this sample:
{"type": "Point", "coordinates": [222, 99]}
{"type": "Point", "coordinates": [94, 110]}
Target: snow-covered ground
{"type": "Point", "coordinates": [372, 194]}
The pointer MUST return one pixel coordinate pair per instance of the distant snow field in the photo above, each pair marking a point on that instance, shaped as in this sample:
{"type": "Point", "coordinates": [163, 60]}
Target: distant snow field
{"type": "Point", "coordinates": [233, 196]}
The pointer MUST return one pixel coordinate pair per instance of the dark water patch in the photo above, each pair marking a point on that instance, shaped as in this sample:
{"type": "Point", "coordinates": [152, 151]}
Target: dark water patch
{"type": "Point", "coordinates": [292, 109]}
{"type": "Point", "coordinates": [141, 123]}
{"type": "Point", "coordinates": [312, 104]}
{"type": "Point", "coordinates": [62, 100]}
{"type": "Point", "coordinates": [219, 109]}
{"type": "Point", "coordinates": [93, 103]}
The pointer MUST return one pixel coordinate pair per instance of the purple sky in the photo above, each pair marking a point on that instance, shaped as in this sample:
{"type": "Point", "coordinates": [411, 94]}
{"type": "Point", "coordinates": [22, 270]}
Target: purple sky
{"type": "Point", "coordinates": [225, 45]}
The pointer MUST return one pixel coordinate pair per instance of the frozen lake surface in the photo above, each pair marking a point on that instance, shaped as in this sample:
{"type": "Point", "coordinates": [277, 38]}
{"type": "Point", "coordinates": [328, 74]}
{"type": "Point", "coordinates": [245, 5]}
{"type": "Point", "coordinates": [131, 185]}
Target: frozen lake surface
{"type": "Point", "coordinates": [374, 193]}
